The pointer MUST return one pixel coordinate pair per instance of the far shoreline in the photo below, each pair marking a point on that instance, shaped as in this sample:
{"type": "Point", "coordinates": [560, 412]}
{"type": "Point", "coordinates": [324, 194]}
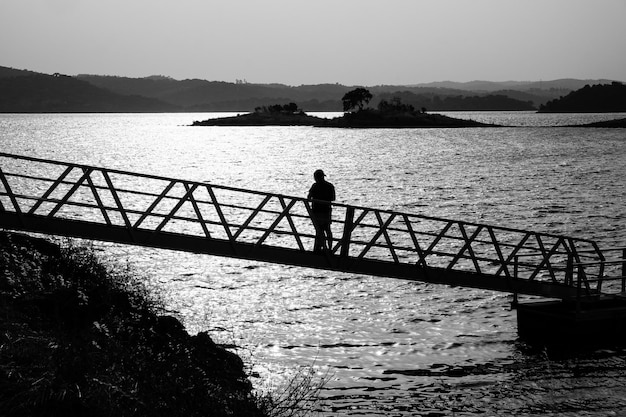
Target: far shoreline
{"type": "Point", "coordinates": [356, 121]}
{"type": "Point", "coordinates": [363, 119]}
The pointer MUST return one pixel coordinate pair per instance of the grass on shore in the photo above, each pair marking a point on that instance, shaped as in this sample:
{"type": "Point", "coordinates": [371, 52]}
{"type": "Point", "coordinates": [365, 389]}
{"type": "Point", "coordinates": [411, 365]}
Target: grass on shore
{"type": "Point", "coordinates": [81, 338]}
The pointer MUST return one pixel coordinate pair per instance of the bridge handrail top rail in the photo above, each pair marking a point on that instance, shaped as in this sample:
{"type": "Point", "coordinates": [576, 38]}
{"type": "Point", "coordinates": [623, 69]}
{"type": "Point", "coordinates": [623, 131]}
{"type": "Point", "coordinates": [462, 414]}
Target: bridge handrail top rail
{"type": "Point", "coordinates": [614, 249]}
{"type": "Point", "coordinates": [606, 279]}
{"type": "Point", "coordinates": [304, 199]}
{"type": "Point", "coordinates": [614, 262]}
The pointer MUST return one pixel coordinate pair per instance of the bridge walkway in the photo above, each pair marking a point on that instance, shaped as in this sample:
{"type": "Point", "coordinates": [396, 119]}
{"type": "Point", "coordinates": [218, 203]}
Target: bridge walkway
{"type": "Point", "coordinates": [52, 197]}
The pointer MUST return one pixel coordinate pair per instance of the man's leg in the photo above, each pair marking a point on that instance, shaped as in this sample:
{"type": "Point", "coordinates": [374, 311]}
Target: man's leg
{"type": "Point", "coordinates": [319, 240]}
{"type": "Point", "coordinates": [329, 235]}
{"type": "Point", "coordinates": [318, 223]}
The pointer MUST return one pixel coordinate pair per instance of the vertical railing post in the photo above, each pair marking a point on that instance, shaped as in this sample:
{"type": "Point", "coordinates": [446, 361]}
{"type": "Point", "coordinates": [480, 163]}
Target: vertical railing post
{"type": "Point", "coordinates": [515, 272]}
{"type": "Point", "coordinates": [347, 232]}
{"type": "Point", "coordinates": [624, 270]}
{"type": "Point", "coordinates": [579, 287]}
{"type": "Point", "coordinates": [569, 269]}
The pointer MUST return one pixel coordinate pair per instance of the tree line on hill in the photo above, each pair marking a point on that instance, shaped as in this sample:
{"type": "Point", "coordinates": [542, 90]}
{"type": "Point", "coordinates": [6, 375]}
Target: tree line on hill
{"type": "Point", "coordinates": [61, 94]}
{"type": "Point", "coordinates": [601, 98]}
{"type": "Point", "coordinates": [27, 91]}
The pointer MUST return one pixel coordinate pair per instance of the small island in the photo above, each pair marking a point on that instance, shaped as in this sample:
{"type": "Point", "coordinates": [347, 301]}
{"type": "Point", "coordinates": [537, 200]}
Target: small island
{"type": "Point", "coordinates": [388, 114]}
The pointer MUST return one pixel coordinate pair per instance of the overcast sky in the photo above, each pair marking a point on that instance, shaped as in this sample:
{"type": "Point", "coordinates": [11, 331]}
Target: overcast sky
{"type": "Point", "coordinates": [352, 42]}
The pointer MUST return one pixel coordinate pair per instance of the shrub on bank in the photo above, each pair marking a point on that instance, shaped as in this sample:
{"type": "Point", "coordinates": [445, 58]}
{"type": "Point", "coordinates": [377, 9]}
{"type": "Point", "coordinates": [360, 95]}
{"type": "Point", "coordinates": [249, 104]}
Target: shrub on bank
{"type": "Point", "coordinates": [78, 338]}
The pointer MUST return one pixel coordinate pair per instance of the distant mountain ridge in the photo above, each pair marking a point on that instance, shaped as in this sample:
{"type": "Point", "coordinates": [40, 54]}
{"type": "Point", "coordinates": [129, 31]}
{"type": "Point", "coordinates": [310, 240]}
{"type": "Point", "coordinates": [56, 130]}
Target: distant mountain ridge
{"type": "Point", "coordinates": [28, 91]}
{"type": "Point", "coordinates": [570, 84]}
{"type": "Point", "coordinates": [39, 93]}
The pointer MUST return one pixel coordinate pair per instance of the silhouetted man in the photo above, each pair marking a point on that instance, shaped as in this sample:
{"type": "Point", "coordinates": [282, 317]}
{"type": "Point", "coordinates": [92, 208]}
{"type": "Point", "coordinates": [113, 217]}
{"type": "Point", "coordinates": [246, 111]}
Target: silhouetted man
{"type": "Point", "coordinates": [324, 191]}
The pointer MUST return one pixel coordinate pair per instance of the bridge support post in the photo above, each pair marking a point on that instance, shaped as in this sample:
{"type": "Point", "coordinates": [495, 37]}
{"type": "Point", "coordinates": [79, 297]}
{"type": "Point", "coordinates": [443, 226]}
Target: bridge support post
{"type": "Point", "coordinates": [573, 324]}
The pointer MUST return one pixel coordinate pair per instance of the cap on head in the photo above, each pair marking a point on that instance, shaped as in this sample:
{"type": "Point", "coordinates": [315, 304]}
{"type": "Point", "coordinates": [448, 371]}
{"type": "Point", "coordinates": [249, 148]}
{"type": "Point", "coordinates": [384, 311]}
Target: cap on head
{"type": "Point", "coordinates": [319, 174]}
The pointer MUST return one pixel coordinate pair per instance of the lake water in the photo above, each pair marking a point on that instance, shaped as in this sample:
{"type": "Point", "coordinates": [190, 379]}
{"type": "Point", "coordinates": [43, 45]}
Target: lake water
{"type": "Point", "coordinates": [386, 347]}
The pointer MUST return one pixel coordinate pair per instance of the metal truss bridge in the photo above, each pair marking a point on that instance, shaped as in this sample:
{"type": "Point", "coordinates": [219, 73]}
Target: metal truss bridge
{"type": "Point", "coordinates": [51, 197]}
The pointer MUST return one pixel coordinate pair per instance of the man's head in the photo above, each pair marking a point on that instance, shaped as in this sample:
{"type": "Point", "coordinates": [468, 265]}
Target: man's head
{"type": "Point", "coordinates": [319, 175]}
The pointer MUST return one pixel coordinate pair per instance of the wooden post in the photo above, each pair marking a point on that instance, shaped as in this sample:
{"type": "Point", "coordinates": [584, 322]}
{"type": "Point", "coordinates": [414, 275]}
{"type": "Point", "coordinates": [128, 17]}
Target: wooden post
{"type": "Point", "coordinates": [347, 232]}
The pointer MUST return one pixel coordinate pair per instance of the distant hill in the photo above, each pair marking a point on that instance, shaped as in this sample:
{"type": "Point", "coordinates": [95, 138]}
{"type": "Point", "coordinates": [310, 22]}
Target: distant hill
{"type": "Point", "coordinates": [27, 91]}
{"type": "Point", "coordinates": [601, 98]}
{"type": "Point", "coordinates": [539, 92]}
{"type": "Point", "coordinates": [12, 72]}
{"type": "Point", "coordinates": [435, 102]}
{"type": "Point", "coordinates": [569, 84]}
{"type": "Point", "coordinates": [199, 95]}
{"type": "Point", "coordinates": [37, 93]}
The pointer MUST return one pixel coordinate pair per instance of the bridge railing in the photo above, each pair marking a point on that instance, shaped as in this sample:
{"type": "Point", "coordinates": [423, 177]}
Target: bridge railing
{"type": "Point", "coordinates": [33, 187]}
{"type": "Point", "coordinates": [609, 269]}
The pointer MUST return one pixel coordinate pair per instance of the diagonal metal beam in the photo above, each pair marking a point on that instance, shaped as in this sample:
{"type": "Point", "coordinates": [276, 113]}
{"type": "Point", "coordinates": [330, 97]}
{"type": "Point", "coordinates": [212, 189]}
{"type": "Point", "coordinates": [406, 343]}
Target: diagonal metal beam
{"type": "Point", "coordinates": [352, 227]}
{"type": "Point", "coordinates": [51, 189]}
{"type": "Point", "coordinates": [513, 253]}
{"type": "Point", "coordinates": [380, 231]}
{"type": "Point", "coordinates": [118, 202]}
{"type": "Point", "coordinates": [196, 209]}
{"type": "Point", "coordinates": [418, 249]}
{"type": "Point", "coordinates": [178, 205]}
{"type": "Point", "coordinates": [496, 246]}
{"type": "Point", "coordinates": [439, 237]}
{"type": "Point", "coordinates": [256, 211]}
{"type": "Point", "coordinates": [154, 204]}
{"type": "Point", "coordinates": [220, 214]}
{"type": "Point", "coordinates": [282, 214]}
{"type": "Point", "coordinates": [10, 194]}
{"type": "Point", "coordinates": [386, 234]}
{"type": "Point", "coordinates": [467, 246]}
{"type": "Point", "coordinates": [546, 258]}
{"type": "Point", "coordinates": [66, 197]}
{"type": "Point", "coordinates": [291, 223]}
{"type": "Point", "coordinates": [98, 200]}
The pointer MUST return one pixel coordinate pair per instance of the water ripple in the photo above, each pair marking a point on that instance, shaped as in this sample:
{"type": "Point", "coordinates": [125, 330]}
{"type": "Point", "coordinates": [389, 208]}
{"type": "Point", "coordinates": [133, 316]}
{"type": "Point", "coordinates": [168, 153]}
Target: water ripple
{"type": "Point", "coordinates": [392, 347]}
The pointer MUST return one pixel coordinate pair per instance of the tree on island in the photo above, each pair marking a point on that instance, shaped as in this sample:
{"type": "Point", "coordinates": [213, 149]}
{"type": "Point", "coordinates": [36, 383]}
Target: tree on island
{"type": "Point", "coordinates": [396, 106]}
{"type": "Point", "coordinates": [356, 98]}
{"type": "Point", "coordinates": [291, 108]}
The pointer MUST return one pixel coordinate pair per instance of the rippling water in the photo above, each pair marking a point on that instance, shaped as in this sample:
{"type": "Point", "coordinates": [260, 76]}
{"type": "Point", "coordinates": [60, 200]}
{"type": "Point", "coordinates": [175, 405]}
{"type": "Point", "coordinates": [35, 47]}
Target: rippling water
{"type": "Point", "coordinates": [388, 347]}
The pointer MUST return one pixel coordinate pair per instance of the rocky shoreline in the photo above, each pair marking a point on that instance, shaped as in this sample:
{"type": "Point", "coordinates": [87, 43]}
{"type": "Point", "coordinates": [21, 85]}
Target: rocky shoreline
{"type": "Point", "coordinates": [617, 123]}
{"type": "Point", "coordinates": [78, 338]}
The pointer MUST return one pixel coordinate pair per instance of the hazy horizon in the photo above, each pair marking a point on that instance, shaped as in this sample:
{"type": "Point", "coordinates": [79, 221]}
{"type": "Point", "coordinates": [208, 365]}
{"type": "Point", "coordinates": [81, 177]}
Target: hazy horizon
{"type": "Point", "coordinates": [436, 82]}
{"type": "Point", "coordinates": [504, 82]}
{"type": "Point", "coordinates": [353, 42]}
